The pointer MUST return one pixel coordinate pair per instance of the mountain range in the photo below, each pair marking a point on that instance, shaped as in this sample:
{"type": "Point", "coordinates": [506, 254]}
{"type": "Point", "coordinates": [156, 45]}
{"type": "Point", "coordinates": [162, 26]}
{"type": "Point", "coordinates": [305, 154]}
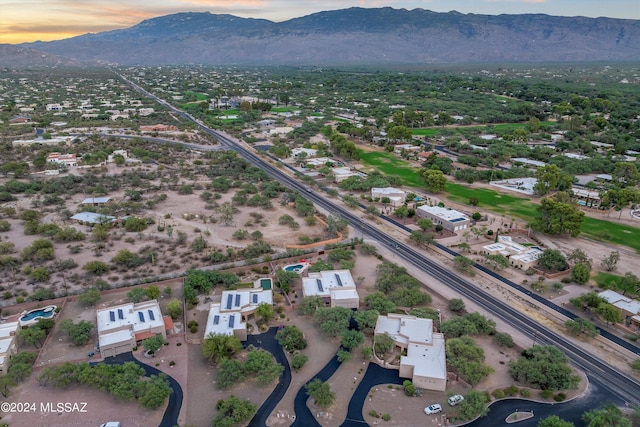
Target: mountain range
{"type": "Point", "coordinates": [361, 36]}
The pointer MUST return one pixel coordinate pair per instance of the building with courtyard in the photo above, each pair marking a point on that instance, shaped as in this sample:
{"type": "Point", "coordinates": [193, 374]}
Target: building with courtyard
{"type": "Point", "coordinates": [629, 308]}
{"type": "Point", "coordinates": [121, 327]}
{"type": "Point", "coordinates": [229, 316]}
{"type": "Point", "coordinates": [520, 256]}
{"type": "Point", "coordinates": [424, 363]}
{"type": "Point", "coordinates": [395, 195]}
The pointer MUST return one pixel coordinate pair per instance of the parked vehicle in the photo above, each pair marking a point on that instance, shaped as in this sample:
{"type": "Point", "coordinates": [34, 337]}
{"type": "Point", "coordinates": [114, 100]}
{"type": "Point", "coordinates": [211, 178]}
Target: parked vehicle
{"type": "Point", "coordinates": [111, 424]}
{"type": "Point", "coordinates": [455, 399]}
{"type": "Point", "coordinates": [433, 409]}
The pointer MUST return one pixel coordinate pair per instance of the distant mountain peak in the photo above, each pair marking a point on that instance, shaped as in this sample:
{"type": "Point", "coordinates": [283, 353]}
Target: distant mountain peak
{"type": "Point", "coordinates": [357, 36]}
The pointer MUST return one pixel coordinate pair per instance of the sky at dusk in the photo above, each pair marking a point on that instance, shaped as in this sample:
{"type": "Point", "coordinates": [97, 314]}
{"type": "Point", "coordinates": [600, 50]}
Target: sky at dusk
{"type": "Point", "coordinates": [31, 20]}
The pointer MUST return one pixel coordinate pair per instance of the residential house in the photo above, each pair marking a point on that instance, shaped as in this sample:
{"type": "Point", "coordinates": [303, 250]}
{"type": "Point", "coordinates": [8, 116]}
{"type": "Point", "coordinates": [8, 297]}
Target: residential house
{"type": "Point", "coordinates": [122, 327]}
{"type": "Point", "coordinates": [335, 287]}
{"type": "Point", "coordinates": [229, 316]}
{"type": "Point", "coordinates": [424, 363]}
{"type": "Point", "coordinates": [450, 219]}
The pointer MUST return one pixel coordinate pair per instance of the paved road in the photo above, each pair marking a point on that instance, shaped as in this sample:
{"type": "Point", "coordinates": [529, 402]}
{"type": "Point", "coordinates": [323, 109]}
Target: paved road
{"type": "Point", "coordinates": [170, 417]}
{"type": "Point", "coordinates": [304, 417]}
{"type": "Point", "coordinates": [267, 341]}
{"type": "Point", "coordinates": [622, 386]}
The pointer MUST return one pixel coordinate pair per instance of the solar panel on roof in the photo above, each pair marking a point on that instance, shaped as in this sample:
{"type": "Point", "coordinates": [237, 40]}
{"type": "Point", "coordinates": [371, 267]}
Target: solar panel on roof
{"type": "Point", "coordinates": [229, 301]}
{"type": "Point", "coordinates": [319, 283]}
{"type": "Point", "coordinates": [216, 319]}
{"type": "Point", "coordinates": [141, 316]}
{"type": "Point", "coordinates": [232, 320]}
{"type": "Point", "coordinates": [338, 279]}
{"type": "Point", "coordinates": [151, 316]}
{"type": "Point", "coordinates": [120, 314]}
{"type": "Point", "coordinates": [238, 300]}
{"type": "Point", "coordinates": [112, 316]}
{"type": "Point", "coordinates": [254, 298]}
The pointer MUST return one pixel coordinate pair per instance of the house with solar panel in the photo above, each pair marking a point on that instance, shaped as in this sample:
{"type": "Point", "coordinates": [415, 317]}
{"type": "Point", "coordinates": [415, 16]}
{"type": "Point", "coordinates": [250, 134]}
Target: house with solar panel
{"type": "Point", "coordinates": [122, 327]}
{"type": "Point", "coordinates": [229, 316]}
{"type": "Point", "coordinates": [335, 287]}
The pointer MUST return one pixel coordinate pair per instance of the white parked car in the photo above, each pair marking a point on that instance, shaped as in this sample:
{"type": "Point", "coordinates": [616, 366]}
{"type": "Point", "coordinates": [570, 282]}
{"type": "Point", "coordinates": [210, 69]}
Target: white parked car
{"type": "Point", "coordinates": [433, 409]}
{"type": "Point", "coordinates": [455, 399]}
{"type": "Point", "coordinates": [111, 424]}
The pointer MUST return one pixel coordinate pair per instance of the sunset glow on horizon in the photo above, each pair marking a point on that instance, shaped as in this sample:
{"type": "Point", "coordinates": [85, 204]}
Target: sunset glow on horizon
{"type": "Point", "coordinates": [33, 20]}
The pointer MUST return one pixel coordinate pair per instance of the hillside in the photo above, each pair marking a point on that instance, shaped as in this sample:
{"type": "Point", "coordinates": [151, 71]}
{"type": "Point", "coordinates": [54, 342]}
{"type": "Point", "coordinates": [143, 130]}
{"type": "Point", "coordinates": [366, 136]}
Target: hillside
{"type": "Point", "coordinates": [357, 36]}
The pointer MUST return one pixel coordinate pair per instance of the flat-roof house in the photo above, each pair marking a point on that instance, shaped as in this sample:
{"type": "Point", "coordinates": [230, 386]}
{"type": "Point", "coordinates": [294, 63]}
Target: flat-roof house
{"type": "Point", "coordinates": [629, 308]}
{"type": "Point", "coordinates": [95, 201]}
{"type": "Point", "coordinates": [450, 219]}
{"type": "Point", "coordinates": [8, 343]}
{"type": "Point", "coordinates": [335, 287]}
{"type": "Point", "coordinates": [308, 152]}
{"type": "Point", "coordinates": [93, 218]}
{"type": "Point", "coordinates": [229, 316]}
{"type": "Point", "coordinates": [425, 362]}
{"type": "Point", "coordinates": [396, 196]}
{"type": "Point", "coordinates": [520, 256]}
{"type": "Point", "coordinates": [67, 160]}
{"type": "Point", "coordinates": [120, 327]}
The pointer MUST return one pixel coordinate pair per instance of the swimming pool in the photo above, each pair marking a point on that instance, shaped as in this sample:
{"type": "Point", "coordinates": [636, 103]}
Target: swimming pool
{"type": "Point", "coordinates": [295, 267]}
{"type": "Point", "coordinates": [32, 316]}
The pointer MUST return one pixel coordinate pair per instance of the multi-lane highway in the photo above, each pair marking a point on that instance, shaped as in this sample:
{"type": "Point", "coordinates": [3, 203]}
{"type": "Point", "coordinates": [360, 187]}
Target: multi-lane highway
{"type": "Point", "coordinates": [626, 388]}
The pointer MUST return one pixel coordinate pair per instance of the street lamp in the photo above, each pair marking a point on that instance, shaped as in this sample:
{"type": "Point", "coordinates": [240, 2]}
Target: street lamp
{"type": "Point", "coordinates": [439, 318]}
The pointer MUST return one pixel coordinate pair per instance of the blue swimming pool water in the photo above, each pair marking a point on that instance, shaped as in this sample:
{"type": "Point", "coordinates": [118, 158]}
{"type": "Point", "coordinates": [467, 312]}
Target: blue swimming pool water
{"type": "Point", "coordinates": [37, 313]}
{"type": "Point", "coordinates": [296, 268]}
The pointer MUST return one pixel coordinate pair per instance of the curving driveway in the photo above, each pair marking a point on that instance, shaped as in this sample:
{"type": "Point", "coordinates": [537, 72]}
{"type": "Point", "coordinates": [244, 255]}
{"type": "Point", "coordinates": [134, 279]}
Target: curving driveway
{"type": "Point", "coordinates": [267, 341]}
{"type": "Point", "coordinates": [170, 417]}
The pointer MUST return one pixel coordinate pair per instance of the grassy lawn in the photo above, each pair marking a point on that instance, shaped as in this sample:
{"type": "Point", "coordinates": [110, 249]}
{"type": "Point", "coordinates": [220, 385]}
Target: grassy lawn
{"type": "Point", "coordinates": [283, 109]}
{"type": "Point", "coordinates": [607, 280]}
{"type": "Point", "coordinates": [503, 204]}
{"type": "Point", "coordinates": [199, 96]}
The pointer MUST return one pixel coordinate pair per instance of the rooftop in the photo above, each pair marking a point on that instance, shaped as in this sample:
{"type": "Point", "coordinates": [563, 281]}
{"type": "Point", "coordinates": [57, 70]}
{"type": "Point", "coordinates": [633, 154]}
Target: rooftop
{"type": "Point", "coordinates": [324, 282]}
{"type": "Point", "coordinates": [450, 215]}
{"type": "Point", "coordinates": [141, 317]}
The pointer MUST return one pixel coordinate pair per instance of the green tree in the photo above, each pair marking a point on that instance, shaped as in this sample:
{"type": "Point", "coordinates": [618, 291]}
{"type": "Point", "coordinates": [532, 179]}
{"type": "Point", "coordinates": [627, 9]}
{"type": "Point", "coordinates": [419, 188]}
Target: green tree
{"type": "Point", "coordinates": [284, 279]}
{"type": "Point", "coordinates": [608, 416]}
{"type": "Point", "coordinates": [463, 264]}
{"type": "Point", "coordinates": [552, 260]}
{"type": "Point", "coordinates": [626, 174]}
{"type": "Point", "coordinates": [351, 339]}
{"type": "Point", "coordinates": [264, 311]}
{"type": "Point", "coordinates": [291, 339]}
{"type": "Point", "coordinates": [458, 326]}
{"type": "Point", "coordinates": [503, 339]}
{"type": "Point", "coordinates": [378, 301]}
{"type": "Point", "coordinates": [174, 308]}
{"type": "Point", "coordinates": [34, 336]}
{"type": "Point", "coordinates": [609, 313]}
{"type": "Point", "coordinates": [135, 225]}
{"type": "Point", "coordinates": [456, 305]}
{"type": "Point", "coordinates": [580, 326]}
{"type": "Point", "coordinates": [557, 218]}
{"type": "Point", "coordinates": [230, 372]}
{"type": "Point", "coordinates": [545, 367]}
{"type": "Point", "coordinates": [551, 178]}
{"type": "Point", "coordinates": [497, 261]}
{"type": "Point", "coordinates": [216, 347]}
{"type": "Point", "coordinates": [474, 404]}
{"type": "Point", "coordinates": [554, 421]}
{"type": "Point", "coordinates": [136, 294]}
{"type": "Point", "coordinates": [366, 319]}
{"type": "Point", "coordinates": [580, 273]}
{"type": "Point", "coordinates": [89, 297]}
{"type": "Point", "coordinates": [298, 361]}
{"type": "Point", "coordinates": [80, 333]}
{"type": "Point", "coordinates": [434, 180]}
{"type": "Point", "coordinates": [152, 292]}
{"type": "Point", "coordinates": [233, 411]}
{"type": "Point", "coordinates": [261, 365]}
{"type": "Point", "coordinates": [96, 267]}
{"type": "Point", "coordinates": [610, 261]}
{"type": "Point", "coordinates": [153, 344]}
{"type": "Point", "coordinates": [333, 321]}
{"type": "Point", "coordinates": [425, 224]}
{"type": "Point", "coordinates": [321, 393]}
{"type": "Point", "coordinates": [309, 305]}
